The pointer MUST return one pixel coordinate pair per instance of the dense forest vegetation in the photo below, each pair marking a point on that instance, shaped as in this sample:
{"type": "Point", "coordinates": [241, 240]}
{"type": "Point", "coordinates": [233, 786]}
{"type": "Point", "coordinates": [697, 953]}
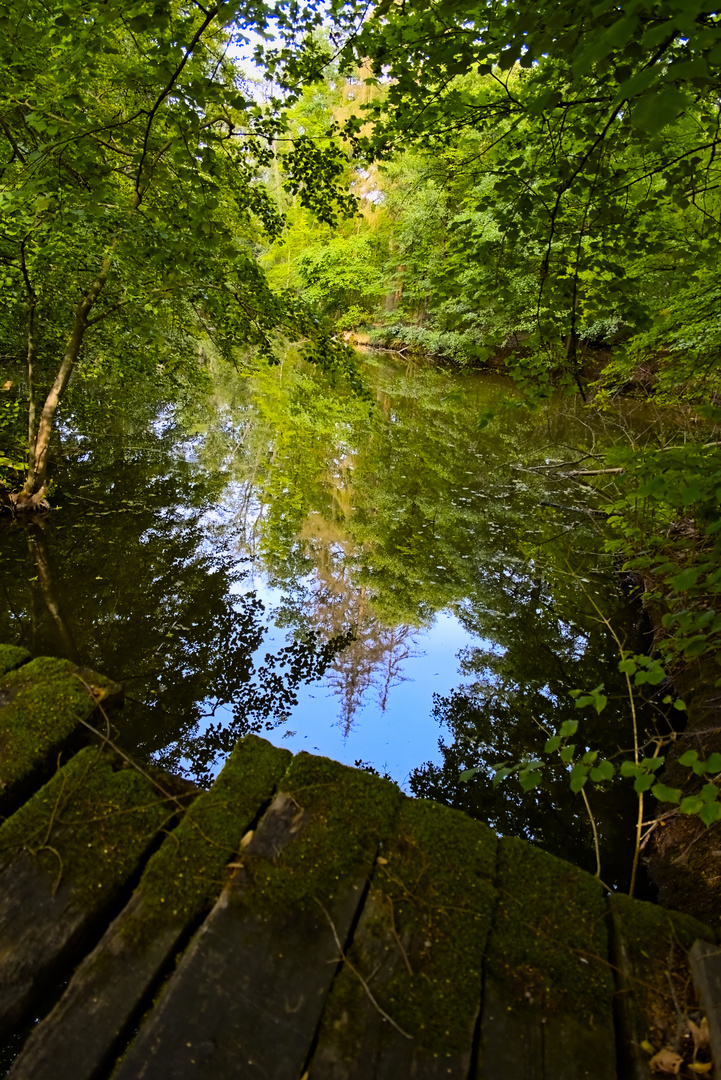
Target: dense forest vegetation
{"type": "Point", "coordinates": [530, 189]}
{"type": "Point", "coordinates": [541, 188]}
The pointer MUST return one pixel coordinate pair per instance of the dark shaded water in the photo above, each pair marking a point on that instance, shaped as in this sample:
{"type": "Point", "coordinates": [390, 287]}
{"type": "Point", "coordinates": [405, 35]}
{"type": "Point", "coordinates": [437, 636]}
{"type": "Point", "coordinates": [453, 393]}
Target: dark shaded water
{"type": "Point", "coordinates": [345, 579]}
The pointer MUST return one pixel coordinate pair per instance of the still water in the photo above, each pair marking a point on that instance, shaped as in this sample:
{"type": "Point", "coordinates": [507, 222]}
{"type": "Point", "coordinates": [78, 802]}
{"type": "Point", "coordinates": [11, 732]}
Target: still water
{"type": "Point", "coordinates": [406, 584]}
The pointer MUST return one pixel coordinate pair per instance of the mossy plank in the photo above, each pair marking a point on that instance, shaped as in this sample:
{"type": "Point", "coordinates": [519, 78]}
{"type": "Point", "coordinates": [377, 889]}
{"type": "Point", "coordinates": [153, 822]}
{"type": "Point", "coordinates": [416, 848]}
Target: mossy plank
{"type": "Point", "coordinates": [182, 879]}
{"type": "Point", "coordinates": [64, 856]}
{"type": "Point", "coordinates": [42, 705]}
{"type": "Point", "coordinates": [247, 995]}
{"type": "Point", "coordinates": [418, 947]}
{"type": "Point", "coordinates": [548, 989]}
{"type": "Point", "coordinates": [12, 657]}
{"type": "Point", "coordinates": [705, 961]}
{"type": "Point", "coordinates": [650, 954]}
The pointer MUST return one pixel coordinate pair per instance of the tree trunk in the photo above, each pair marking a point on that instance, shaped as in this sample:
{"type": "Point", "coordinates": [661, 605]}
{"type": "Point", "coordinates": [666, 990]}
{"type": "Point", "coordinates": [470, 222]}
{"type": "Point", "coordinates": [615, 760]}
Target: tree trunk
{"type": "Point", "coordinates": [39, 551]}
{"type": "Point", "coordinates": [32, 305]}
{"type": "Point", "coordinates": [32, 495]}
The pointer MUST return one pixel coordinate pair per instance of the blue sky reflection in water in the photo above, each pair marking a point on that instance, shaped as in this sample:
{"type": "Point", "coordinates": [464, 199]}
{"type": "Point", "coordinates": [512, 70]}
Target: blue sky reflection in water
{"type": "Point", "coordinates": [390, 724]}
{"type": "Point", "coordinates": [208, 556]}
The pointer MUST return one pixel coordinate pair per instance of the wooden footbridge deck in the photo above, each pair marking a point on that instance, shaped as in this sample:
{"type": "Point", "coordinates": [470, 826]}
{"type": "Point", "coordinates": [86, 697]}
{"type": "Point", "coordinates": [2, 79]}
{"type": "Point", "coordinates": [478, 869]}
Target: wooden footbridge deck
{"type": "Point", "coordinates": [301, 919]}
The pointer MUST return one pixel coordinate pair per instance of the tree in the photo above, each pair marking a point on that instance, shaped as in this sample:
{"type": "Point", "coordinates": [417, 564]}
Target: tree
{"type": "Point", "coordinates": [590, 136]}
{"type": "Point", "coordinates": [132, 208]}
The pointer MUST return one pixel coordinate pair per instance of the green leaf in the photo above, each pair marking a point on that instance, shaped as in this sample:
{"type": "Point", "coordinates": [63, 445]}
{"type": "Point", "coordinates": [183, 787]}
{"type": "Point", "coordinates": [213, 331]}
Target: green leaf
{"type": "Point", "coordinates": [552, 744]}
{"type": "Point", "coordinates": [667, 794]}
{"type": "Point", "coordinates": [579, 775]}
{"type": "Point", "coordinates": [595, 698]}
{"type": "Point", "coordinates": [603, 771]}
{"type": "Point", "coordinates": [502, 771]}
{"type": "Point", "coordinates": [467, 774]}
{"type": "Point", "coordinates": [713, 764]}
{"type": "Point", "coordinates": [655, 110]}
{"type": "Point", "coordinates": [688, 758]}
{"type": "Point", "coordinates": [683, 581]}
{"type": "Point", "coordinates": [529, 778]}
{"type": "Point", "coordinates": [692, 804]}
{"type": "Point", "coordinates": [643, 783]}
{"type": "Point", "coordinates": [568, 728]}
{"type": "Point", "coordinates": [710, 813]}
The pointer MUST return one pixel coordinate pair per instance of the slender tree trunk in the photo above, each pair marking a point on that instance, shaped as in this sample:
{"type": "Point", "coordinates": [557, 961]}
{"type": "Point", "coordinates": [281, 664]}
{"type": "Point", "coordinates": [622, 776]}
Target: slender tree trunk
{"type": "Point", "coordinates": [37, 476]}
{"type": "Point", "coordinates": [39, 551]}
{"type": "Point", "coordinates": [32, 304]}
{"type": "Point", "coordinates": [31, 377]}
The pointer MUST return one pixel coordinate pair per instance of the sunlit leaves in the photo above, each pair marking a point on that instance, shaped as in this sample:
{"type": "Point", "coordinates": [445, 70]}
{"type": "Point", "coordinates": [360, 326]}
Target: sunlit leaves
{"type": "Point", "coordinates": [595, 698]}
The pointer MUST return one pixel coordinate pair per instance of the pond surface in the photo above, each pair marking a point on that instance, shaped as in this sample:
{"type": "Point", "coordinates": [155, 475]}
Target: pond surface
{"type": "Point", "coordinates": [406, 584]}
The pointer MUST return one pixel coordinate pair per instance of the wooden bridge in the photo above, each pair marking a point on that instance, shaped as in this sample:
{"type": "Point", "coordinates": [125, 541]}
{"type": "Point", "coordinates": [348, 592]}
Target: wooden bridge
{"type": "Point", "coordinates": [303, 920]}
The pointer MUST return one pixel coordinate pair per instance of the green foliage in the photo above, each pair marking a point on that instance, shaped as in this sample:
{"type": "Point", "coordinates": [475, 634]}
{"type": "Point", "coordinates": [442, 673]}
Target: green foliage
{"type": "Point", "coordinates": [594, 697]}
{"type": "Point", "coordinates": [133, 208]}
{"type": "Point", "coordinates": [564, 163]}
{"type": "Point", "coordinates": [11, 448]}
{"type": "Point", "coordinates": [585, 764]}
{"type": "Point", "coordinates": [669, 533]}
{"type": "Point", "coordinates": [343, 275]}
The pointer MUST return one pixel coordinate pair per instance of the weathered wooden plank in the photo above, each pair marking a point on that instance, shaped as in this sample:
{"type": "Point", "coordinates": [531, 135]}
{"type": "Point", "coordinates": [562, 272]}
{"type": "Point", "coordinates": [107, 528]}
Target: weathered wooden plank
{"type": "Point", "coordinates": [42, 706]}
{"type": "Point", "coordinates": [418, 950]}
{"type": "Point", "coordinates": [650, 955]}
{"type": "Point", "coordinates": [247, 996]}
{"type": "Point", "coordinates": [705, 960]}
{"type": "Point", "coordinates": [64, 856]}
{"type": "Point", "coordinates": [548, 989]}
{"type": "Point", "coordinates": [11, 657]}
{"type": "Point", "coordinates": [182, 879]}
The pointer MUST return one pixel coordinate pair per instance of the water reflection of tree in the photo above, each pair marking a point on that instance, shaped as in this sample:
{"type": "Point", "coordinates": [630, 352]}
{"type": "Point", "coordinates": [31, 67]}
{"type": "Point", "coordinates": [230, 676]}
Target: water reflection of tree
{"type": "Point", "coordinates": [367, 525]}
{"type": "Point", "coordinates": [44, 599]}
{"type": "Point", "coordinates": [374, 660]}
{"type": "Point", "coordinates": [330, 603]}
{"type": "Point", "coordinates": [377, 524]}
{"type": "Point", "coordinates": [138, 577]}
{"type": "Point", "coordinates": [516, 695]}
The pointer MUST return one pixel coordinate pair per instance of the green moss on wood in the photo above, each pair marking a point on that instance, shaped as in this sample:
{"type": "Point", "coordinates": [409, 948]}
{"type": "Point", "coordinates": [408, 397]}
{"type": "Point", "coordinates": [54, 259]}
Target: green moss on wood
{"type": "Point", "coordinates": [188, 871]}
{"type": "Point", "coordinates": [347, 812]}
{"type": "Point", "coordinates": [11, 657]}
{"type": "Point", "coordinates": [652, 945]}
{"type": "Point", "coordinates": [432, 899]}
{"type": "Point", "coordinates": [87, 827]}
{"type": "Point", "coordinates": [41, 706]}
{"type": "Point", "coordinates": [549, 943]}
{"type": "Point", "coordinates": [646, 926]}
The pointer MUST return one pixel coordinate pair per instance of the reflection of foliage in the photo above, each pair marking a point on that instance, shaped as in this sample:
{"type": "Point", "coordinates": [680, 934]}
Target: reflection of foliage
{"type": "Point", "coordinates": [522, 690]}
{"type": "Point", "coordinates": [367, 526]}
{"type": "Point", "coordinates": [670, 534]}
{"type": "Point", "coordinates": [261, 700]}
{"type": "Point", "coordinates": [377, 524]}
{"type": "Point", "coordinates": [492, 724]}
{"type": "Point", "coordinates": [136, 576]}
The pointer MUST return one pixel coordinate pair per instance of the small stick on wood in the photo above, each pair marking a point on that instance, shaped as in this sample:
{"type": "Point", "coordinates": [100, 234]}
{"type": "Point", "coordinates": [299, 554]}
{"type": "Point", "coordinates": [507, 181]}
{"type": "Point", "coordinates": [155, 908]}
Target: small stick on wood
{"type": "Point", "coordinates": [359, 977]}
{"type": "Point", "coordinates": [396, 935]}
